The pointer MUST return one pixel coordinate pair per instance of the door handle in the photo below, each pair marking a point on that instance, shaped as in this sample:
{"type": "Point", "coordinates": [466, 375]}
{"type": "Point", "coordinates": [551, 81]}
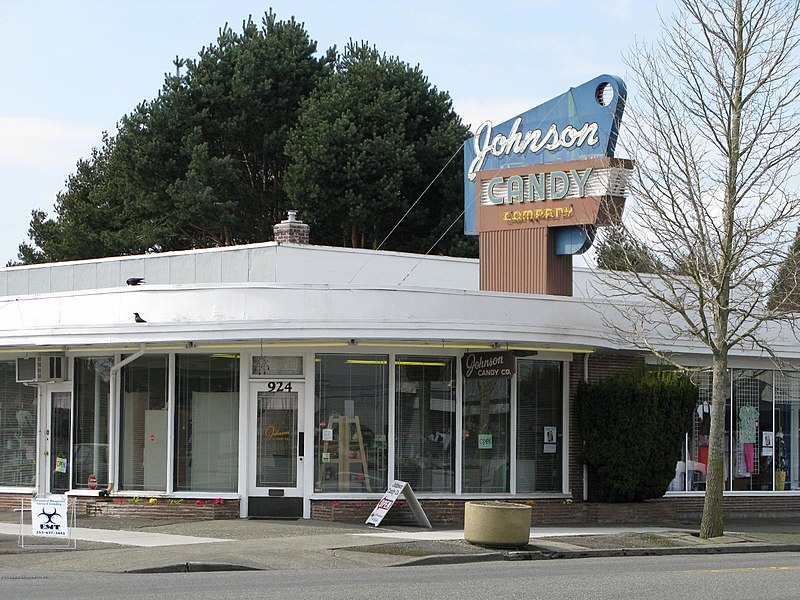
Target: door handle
{"type": "Point", "coordinates": [300, 443]}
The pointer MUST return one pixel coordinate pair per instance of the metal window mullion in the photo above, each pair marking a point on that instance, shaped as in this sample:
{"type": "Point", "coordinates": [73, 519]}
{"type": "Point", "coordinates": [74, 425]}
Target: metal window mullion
{"type": "Point", "coordinates": [391, 407]}
{"type": "Point", "coordinates": [113, 426]}
{"type": "Point", "coordinates": [731, 436]}
{"type": "Point", "coordinates": [512, 432]}
{"type": "Point", "coordinates": [171, 410]}
{"type": "Point", "coordinates": [565, 433]}
{"type": "Point", "coordinates": [246, 439]}
{"type": "Point", "coordinates": [458, 439]}
{"type": "Point", "coordinates": [774, 443]}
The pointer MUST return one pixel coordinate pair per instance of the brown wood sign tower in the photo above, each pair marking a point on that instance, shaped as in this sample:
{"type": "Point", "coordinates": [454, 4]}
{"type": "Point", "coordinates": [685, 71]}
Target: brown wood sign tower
{"type": "Point", "coordinates": [536, 191]}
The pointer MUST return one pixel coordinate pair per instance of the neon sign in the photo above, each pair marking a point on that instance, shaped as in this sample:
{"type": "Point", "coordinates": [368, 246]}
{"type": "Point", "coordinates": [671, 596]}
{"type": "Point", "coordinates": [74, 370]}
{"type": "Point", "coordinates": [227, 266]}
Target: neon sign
{"type": "Point", "coordinates": [532, 142]}
{"type": "Point", "coordinates": [582, 123]}
{"type": "Point", "coordinates": [555, 185]}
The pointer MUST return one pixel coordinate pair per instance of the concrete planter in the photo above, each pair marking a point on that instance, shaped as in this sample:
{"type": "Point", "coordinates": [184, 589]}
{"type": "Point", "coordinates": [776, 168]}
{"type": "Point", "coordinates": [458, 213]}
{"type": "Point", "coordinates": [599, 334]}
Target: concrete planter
{"type": "Point", "coordinates": [497, 524]}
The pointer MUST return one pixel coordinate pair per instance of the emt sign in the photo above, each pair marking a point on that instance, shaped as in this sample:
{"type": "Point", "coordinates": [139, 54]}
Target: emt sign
{"type": "Point", "coordinates": [49, 517]}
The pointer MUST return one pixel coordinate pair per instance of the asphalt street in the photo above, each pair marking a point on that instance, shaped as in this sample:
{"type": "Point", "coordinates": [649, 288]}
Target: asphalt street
{"type": "Point", "coordinates": [772, 575]}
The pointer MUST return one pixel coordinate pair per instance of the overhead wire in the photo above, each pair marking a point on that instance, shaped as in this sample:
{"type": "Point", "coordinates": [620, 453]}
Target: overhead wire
{"type": "Point", "coordinates": [463, 212]}
{"type": "Point", "coordinates": [494, 172]}
{"type": "Point", "coordinates": [544, 119]}
{"type": "Point", "coordinates": [410, 208]}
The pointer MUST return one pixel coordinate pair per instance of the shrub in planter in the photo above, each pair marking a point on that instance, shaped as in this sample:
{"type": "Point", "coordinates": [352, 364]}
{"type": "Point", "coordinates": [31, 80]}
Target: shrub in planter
{"type": "Point", "coordinates": [633, 426]}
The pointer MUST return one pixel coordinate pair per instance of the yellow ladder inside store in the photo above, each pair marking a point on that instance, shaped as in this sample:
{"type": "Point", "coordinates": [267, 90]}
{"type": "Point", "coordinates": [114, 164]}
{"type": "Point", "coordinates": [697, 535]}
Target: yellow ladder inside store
{"type": "Point", "coordinates": [344, 460]}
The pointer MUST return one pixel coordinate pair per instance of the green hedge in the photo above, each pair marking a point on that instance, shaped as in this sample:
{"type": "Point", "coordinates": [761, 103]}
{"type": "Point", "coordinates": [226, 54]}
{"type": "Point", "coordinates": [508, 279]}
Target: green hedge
{"type": "Point", "coordinates": [633, 427]}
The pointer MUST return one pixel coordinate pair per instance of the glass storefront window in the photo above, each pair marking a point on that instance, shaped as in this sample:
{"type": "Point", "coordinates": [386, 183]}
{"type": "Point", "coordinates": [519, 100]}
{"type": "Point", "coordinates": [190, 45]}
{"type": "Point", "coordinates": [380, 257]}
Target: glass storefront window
{"type": "Point", "coordinates": [206, 423]}
{"type": "Point", "coordinates": [759, 438]}
{"type": "Point", "coordinates": [18, 412]}
{"type": "Point", "coordinates": [90, 439]}
{"type": "Point", "coordinates": [487, 424]}
{"type": "Point", "coordinates": [143, 424]}
{"type": "Point", "coordinates": [695, 467]}
{"type": "Point", "coordinates": [59, 425]}
{"type": "Point", "coordinates": [426, 419]}
{"type": "Point", "coordinates": [351, 410]}
{"type": "Point", "coordinates": [539, 427]}
{"type": "Point", "coordinates": [690, 474]}
{"type": "Point", "coordinates": [753, 448]}
{"type": "Point", "coordinates": [787, 431]}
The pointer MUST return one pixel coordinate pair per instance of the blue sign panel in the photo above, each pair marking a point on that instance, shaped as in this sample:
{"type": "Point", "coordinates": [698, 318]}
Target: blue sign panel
{"type": "Point", "coordinates": [579, 124]}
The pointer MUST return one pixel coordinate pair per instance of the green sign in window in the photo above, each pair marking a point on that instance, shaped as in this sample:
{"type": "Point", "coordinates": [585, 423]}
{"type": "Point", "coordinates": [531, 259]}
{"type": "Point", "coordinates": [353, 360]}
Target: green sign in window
{"type": "Point", "coordinates": [485, 441]}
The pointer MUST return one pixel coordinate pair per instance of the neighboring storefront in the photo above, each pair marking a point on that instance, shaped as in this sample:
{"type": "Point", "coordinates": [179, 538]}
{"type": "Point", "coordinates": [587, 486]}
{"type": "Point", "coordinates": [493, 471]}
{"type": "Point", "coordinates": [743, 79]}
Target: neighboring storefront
{"type": "Point", "coordinates": [762, 434]}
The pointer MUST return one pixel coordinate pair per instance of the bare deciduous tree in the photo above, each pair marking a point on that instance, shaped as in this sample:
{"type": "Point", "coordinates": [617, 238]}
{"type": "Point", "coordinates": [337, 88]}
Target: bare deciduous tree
{"type": "Point", "coordinates": [713, 127]}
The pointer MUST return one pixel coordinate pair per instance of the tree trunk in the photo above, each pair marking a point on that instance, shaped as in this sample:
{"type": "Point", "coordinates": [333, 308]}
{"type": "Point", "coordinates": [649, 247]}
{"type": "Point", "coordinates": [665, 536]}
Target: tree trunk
{"type": "Point", "coordinates": [711, 524]}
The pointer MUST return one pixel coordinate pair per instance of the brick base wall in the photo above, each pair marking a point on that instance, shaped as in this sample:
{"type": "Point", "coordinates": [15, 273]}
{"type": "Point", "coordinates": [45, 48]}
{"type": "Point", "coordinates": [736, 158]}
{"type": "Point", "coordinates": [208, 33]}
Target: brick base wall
{"type": "Point", "coordinates": [444, 512]}
{"type": "Point", "coordinates": [543, 512]}
{"type": "Point", "coordinates": [12, 501]}
{"type": "Point", "coordinates": [742, 507]}
{"type": "Point", "coordinates": [663, 511]}
{"type": "Point", "coordinates": [163, 509]}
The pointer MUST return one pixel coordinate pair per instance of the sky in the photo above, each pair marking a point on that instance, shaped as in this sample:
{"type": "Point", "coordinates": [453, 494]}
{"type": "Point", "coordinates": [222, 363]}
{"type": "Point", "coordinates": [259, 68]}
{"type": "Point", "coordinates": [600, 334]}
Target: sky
{"type": "Point", "coordinates": [70, 70]}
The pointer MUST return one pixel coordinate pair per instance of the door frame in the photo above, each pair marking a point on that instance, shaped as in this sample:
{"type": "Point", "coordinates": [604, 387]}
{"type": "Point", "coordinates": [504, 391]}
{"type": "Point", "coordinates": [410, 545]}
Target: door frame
{"type": "Point", "coordinates": [43, 480]}
{"type": "Point", "coordinates": [275, 501]}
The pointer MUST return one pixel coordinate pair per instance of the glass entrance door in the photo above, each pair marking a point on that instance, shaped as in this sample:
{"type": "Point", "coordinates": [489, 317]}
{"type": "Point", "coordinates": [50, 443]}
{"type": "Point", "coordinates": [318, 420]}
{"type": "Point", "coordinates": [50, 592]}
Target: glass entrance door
{"type": "Point", "coordinates": [57, 440]}
{"type": "Point", "coordinates": [276, 478]}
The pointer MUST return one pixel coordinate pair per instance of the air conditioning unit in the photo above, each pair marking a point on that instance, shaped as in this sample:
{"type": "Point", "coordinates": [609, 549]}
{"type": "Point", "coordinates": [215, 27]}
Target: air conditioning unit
{"type": "Point", "coordinates": [40, 369]}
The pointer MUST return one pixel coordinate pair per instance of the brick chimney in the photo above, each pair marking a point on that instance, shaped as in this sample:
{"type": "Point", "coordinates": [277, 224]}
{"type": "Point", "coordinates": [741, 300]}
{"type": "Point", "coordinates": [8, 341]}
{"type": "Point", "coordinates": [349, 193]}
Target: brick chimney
{"type": "Point", "coordinates": [291, 231]}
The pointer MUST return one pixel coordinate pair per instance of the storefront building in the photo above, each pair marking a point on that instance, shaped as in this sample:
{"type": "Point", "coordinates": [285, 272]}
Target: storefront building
{"type": "Point", "coordinates": [316, 380]}
{"type": "Point", "coordinates": [272, 392]}
{"type": "Point", "coordinates": [285, 379]}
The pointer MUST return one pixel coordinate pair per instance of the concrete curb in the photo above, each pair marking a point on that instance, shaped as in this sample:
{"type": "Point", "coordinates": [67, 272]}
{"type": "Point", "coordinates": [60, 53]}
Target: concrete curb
{"type": "Point", "coordinates": [519, 555]}
{"type": "Point", "coordinates": [452, 559]}
{"type": "Point", "coordinates": [194, 567]}
{"type": "Point", "coordinates": [615, 552]}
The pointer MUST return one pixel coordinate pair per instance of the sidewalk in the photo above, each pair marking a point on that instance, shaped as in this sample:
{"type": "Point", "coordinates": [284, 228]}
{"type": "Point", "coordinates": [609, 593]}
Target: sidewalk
{"type": "Point", "coordinates": [140, 545]}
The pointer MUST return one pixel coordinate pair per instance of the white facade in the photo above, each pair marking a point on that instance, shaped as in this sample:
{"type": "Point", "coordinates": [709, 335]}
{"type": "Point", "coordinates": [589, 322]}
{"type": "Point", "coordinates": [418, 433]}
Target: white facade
{"type": "Point", "coordinates": [388, 313]}
{"type": "Point", "coordinates": [279, 292]}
